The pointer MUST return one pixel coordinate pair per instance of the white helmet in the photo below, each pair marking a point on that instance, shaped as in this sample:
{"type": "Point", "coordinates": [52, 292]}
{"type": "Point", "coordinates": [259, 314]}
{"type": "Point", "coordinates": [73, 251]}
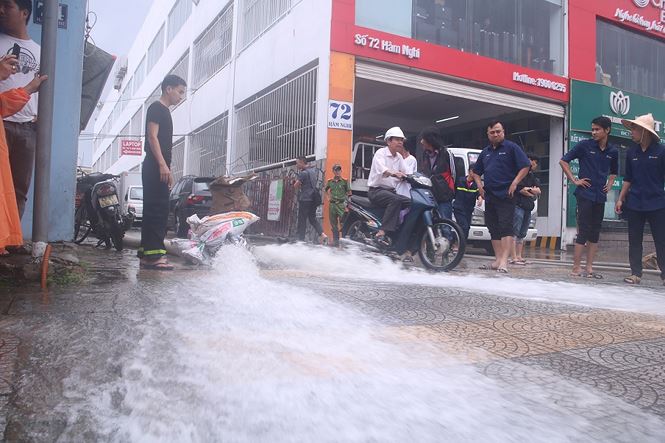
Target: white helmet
{"type": "Point", "coordinates": [395, 131]}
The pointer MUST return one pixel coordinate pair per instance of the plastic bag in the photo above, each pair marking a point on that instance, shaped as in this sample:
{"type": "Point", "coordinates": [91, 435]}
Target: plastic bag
{"type": "Point", "coordinates": [211, 233]}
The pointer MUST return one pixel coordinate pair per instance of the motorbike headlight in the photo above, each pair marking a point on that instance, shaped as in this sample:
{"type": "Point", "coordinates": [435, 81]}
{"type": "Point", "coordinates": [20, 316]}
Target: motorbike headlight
{"type": "Point", "coordinates": [372, 224]}
{"type": "Point", "coordinates": [478, 217]}
{"type": "Point", "coordinates": [422, 180]}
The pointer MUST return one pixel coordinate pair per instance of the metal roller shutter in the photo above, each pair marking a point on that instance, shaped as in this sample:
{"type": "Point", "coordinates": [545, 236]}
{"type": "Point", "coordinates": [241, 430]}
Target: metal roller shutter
{"type": "Point", "coordinates": [446, 87]}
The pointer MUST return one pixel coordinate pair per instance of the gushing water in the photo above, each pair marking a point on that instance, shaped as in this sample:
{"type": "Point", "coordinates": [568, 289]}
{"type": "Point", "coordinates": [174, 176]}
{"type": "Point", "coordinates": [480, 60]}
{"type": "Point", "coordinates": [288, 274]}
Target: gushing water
{"type": "Point", "coordinates": [233, 356]}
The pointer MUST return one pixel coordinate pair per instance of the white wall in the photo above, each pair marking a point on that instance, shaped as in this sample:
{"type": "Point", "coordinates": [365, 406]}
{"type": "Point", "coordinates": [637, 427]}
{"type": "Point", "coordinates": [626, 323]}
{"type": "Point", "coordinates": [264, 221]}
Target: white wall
{"type": "Point", "coordinates": [298, 38]}
{"type": "Point", "coordinates": [550, 226]}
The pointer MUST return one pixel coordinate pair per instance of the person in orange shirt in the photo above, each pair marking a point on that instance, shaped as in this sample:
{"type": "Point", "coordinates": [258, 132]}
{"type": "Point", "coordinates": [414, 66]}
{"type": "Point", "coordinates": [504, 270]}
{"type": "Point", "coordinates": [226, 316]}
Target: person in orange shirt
{"type": "Point", "coordinates": [11, 101]}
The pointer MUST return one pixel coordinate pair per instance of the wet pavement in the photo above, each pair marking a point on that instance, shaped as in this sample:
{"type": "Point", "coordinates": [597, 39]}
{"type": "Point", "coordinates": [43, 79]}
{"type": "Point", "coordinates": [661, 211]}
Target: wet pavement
{"type": "Point", "coordinates": [297, 343]}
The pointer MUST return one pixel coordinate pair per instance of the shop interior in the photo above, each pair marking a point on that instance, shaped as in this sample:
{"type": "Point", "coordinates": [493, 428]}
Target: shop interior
{"type": "Point", "coordinates": [462, 123]}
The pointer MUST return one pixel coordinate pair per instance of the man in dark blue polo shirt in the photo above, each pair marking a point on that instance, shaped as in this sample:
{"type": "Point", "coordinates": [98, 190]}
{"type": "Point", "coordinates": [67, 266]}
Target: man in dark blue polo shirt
{"type": "Point", "coordinates": [599, 162]}
{"type": "Point", "coordinates": [502, 165]}
{"type": "Point", "coordinates": [642, 196]}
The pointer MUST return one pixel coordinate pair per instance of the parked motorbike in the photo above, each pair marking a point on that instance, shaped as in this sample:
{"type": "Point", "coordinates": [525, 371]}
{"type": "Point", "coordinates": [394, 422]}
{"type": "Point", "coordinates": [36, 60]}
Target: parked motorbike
{"type": "Point", "coordinates": [439, 241]}
{"type": "Point", "coordinates": [98, 210]}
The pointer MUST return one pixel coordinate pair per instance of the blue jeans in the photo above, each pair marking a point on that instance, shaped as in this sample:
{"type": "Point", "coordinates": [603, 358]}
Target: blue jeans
{"type": "Point", "coordinates": [446, 210]}
{"type": "Point", "coordinates": [521, 223]}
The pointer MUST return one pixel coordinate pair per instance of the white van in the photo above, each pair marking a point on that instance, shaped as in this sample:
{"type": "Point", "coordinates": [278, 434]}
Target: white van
{"type": "Point", "coordinates": [479, 235]}
{"type": "Point", "coordinates": [134, 201]}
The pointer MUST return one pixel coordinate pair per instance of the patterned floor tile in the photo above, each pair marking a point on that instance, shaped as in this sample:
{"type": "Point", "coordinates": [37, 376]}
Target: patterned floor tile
{"type": "Point", "coordinates": [653, 374]}
{"type": "Point", "coordinates": [484, 312]}
{"type": "Point", "coordinates": [530, 324]}
{"type": "Point", "coordinates": [611, 357]}
{"type": "Point", "coordinates": [653, 350]}
{"type": "Point", "coordinates": [638, 392]}
{"type": "Point", "coordinates": [410, 311]}
{"type": "Point", "coordinates": [606, 317]}
{"type": "Point", "coordinates": [566, 366]}
{"type": "Point", "coordinates": [447, 346]}
{"type": "Point", "coordinates": [541, 307]}
{"type": "Point", "coordinates": [630, 332]}
{"type": "Point", "coordinates": [569, 338]}
{"type": "Point", "coordinates": [463, 330]}
{"type": "Point", "coordinates": [507, 346]}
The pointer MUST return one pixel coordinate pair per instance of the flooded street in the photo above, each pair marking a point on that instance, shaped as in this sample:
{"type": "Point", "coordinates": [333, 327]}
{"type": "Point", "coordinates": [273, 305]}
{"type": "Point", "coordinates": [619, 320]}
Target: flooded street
{"type": "Point", "coordinates": [292, 343]}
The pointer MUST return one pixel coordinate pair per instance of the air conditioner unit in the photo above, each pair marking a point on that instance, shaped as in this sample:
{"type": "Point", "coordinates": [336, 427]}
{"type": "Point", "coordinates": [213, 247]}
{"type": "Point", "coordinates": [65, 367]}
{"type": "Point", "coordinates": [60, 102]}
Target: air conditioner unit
{"type": "Point", "coordinates": [120, 72]}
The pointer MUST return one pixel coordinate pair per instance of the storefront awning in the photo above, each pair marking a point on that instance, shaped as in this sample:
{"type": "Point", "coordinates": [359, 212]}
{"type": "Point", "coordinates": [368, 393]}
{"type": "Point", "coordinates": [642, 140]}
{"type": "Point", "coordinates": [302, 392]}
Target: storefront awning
{"type": "Point", "coordinates": [447, 87]}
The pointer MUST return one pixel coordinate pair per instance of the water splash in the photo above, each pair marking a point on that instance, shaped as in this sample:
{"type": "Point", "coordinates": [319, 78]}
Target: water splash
{"type": "Point", "coordinates": [232, 356]}
{"type": "Point", "coordinates": [352, 264]}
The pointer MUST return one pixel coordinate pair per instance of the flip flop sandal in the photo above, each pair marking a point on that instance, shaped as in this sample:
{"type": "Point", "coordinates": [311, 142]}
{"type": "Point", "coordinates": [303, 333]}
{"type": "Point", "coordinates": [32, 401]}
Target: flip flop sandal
{"type": "Point", "coordinates": [382, 240]}
{"type": "Point", "coordinates": [594, 275]}
{"type": "Point", "coordinates": [502, 270]}
{"type": "Point", "coordinates": [487, 268]}
{"type": "Point", "coordinates": [577, 274]}
{"type": "Point", "coordinates": [408, 259]}
{"type": "Point", "coordinates": [632, 280]}
{"type": "Point", "coordinates": [519, 262]}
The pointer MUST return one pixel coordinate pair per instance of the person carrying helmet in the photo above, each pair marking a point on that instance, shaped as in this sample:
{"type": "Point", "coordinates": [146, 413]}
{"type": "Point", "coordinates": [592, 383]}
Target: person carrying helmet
{"type": "Point", "coordinates": [386, 173]}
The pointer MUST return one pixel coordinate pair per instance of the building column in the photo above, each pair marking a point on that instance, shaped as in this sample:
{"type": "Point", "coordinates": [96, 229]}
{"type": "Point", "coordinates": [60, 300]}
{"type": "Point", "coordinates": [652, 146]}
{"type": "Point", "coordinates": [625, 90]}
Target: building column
{"type": "Point", "coordinates": [340, 141]}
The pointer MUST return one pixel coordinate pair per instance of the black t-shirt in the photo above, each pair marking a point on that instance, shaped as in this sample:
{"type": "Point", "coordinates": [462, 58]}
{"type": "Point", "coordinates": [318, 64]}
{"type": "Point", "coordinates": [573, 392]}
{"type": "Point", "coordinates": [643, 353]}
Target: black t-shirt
{"type": "Point", "coordinates": [158, 113]}
{"type": "Point", "coordinates": [524, 202]}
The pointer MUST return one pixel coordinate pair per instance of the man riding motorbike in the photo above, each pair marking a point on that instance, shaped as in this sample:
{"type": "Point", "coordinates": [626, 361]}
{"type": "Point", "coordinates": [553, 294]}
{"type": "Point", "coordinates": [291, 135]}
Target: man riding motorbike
{"type": "Point", "coordinates": [387, 170]}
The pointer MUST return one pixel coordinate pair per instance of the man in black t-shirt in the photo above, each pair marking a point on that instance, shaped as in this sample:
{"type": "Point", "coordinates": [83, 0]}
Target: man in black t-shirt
{"type": "Point", "coordinates": [156, 174]}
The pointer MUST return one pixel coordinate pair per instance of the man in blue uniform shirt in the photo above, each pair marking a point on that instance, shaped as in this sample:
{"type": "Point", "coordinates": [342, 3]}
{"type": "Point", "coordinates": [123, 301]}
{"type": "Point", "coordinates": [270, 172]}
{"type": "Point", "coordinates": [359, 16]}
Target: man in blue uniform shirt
{"type": "Point", "coordinates": [642, 196]}
{"type": "Point", "coordinates": [599, 162]}
{"type": "Point", "coordinates": [502, 165]}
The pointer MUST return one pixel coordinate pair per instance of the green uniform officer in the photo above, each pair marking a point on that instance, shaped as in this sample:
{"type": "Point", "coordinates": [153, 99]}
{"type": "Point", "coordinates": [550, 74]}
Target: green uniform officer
{"type": "Point", "coordinates": [337, 189]}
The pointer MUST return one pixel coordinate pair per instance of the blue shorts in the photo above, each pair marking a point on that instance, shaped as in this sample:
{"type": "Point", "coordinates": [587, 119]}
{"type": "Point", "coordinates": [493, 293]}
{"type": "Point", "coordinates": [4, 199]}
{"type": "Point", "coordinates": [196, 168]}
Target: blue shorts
{"type": "Point", "coordinates": [521, 222]}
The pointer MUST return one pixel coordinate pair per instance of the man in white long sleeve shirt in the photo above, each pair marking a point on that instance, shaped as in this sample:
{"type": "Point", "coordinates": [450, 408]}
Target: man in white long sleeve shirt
{"type": "Point", "coordinates": [388, 169]}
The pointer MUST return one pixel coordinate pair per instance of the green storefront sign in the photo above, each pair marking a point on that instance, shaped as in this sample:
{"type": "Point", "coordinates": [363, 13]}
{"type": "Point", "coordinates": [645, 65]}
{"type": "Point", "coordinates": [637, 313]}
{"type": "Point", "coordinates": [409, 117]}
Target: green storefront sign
{"type": "Point", "coordinates": [590, 100]}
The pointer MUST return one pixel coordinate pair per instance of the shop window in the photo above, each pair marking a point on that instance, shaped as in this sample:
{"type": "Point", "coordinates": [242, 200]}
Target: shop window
{"type": "Point", "coordinates": [628, 60]}
{"type": "Point", "coordinates": [393, 16]}
{"type": "Point", "coordinates": [524, 32]}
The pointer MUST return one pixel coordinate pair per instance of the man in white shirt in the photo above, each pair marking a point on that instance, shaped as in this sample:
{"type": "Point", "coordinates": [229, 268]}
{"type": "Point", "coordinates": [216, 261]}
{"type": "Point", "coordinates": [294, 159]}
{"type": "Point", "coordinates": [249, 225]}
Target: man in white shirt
{"type": "Point", "coordinates": [21, 128]}
{"type": "Point", "coordinates": [388, 170]}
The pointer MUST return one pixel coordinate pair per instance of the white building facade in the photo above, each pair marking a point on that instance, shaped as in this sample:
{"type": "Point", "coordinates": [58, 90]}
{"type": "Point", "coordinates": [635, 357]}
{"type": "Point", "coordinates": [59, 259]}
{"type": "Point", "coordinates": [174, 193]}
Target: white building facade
{"type": "Point", "coordinates": [255, 70]}
{"type": "Point", "coordinates": [271, 80]}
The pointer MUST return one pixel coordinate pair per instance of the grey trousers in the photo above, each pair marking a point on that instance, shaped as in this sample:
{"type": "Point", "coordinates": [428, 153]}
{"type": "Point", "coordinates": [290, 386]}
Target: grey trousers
{"type": "Point", "coordinates": [393, 203]}
{"type": "Point", "coordinates": [22, 143]}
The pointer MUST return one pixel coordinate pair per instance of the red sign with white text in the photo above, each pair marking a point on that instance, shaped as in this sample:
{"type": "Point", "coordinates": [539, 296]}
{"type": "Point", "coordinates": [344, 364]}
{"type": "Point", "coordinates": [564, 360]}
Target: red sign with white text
{"type": "Point", "coordinates": [349, 38]}
{"type": "Point", "coordinates": [131, 147]}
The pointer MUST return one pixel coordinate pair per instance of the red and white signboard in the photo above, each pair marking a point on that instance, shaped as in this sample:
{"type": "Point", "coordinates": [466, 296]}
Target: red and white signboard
{"type": "Point", "coordinates": [131, 147]}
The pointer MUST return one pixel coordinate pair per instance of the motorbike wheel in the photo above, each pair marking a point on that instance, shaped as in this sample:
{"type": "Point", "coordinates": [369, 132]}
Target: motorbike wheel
{"type": "Point", "coordinates": [357, 231]}
{"type": "Point", "coordinates": [448, 250]}
{"type": "Point", "coordinates": [82, 225]}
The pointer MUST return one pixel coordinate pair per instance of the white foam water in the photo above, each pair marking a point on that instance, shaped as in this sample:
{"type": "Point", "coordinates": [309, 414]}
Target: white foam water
{"type": "Point", "coordinates": [235, 357]}
{"type": "Point", "coordinates": [351, 264]}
